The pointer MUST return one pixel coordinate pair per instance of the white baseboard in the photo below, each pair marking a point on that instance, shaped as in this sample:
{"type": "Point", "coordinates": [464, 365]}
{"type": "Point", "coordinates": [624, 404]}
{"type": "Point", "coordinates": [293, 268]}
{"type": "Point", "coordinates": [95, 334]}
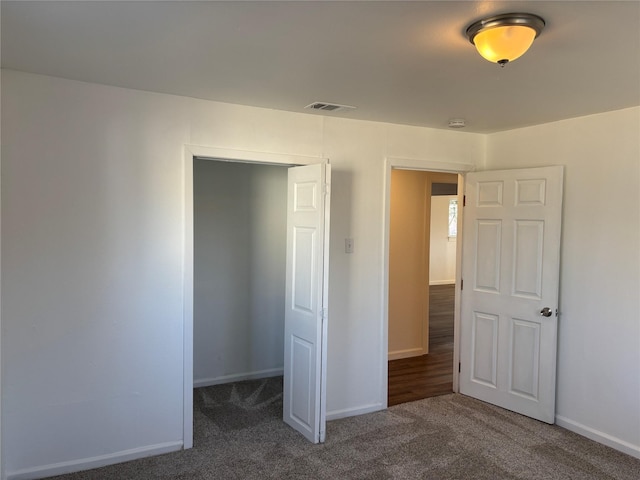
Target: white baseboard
{"type": "Point", "coordinates": [237, 377]}
{"type": "Point", "coordinates": [597, 436]}
{"type": "Point", "coordinates": [410, 352]}
{"type": "Point", "coordinates": [94, 462]}
{"type": "Point", "coordinates": [442, 282]}
{"type": "Point", "coordinates": [352, 412]}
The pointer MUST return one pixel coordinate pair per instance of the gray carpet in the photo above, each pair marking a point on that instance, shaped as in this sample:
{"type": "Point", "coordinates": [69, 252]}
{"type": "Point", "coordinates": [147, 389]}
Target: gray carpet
{"type": "Point", "coordinates": [239, 434]}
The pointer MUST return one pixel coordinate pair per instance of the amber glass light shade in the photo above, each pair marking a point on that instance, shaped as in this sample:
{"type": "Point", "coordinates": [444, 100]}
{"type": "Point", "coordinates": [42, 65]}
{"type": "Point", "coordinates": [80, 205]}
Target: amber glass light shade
{"type": "Point", "coordinates": [503, 38]}
{"type": "Point", "coordinates": [504, 43]}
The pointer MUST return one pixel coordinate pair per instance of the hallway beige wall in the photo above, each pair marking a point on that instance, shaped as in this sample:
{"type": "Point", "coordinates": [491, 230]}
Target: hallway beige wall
{"type": "Point", "coordinates": [409, 258]}
{"type": "Point", "coordinates": [409, 264]}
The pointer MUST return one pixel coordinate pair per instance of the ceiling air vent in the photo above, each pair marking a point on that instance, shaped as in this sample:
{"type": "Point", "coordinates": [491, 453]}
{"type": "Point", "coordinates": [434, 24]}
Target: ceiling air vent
{"type": "Point", "coordinates": [328, 107]}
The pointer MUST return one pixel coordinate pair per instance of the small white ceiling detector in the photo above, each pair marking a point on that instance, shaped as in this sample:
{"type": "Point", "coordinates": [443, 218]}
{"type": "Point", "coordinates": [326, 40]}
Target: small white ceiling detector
{"type": "Point", "coordinates": [457, 123]}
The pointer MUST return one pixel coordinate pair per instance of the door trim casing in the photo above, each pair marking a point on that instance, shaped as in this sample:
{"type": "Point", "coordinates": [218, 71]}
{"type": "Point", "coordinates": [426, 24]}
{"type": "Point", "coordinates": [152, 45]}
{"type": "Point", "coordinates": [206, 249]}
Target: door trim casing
{"type": "Point", "coordinates": [391, 163]}
{"type": "Point", "coordinates": [221, 154]}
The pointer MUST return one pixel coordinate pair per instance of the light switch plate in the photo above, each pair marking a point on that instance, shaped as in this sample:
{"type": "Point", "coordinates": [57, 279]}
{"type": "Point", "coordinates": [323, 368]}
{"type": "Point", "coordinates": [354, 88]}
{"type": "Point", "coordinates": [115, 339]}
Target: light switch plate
{"type": "Point", "coordinates": [348, 245]}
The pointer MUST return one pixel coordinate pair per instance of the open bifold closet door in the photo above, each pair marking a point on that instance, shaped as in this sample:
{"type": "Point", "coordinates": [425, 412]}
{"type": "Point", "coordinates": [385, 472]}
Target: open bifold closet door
{"type": "Point", "coordinates": [306, 300]}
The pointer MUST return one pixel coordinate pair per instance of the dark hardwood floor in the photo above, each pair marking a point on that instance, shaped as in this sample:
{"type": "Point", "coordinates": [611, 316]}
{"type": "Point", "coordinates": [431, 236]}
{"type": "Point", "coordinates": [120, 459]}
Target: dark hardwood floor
{"type": "Point", "coordinates": [429, 375]}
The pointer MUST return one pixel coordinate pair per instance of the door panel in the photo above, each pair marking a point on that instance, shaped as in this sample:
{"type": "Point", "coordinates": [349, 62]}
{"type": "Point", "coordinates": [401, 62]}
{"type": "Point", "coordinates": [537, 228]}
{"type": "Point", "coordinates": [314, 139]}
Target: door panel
{"type": "Point", "coordinates": [489, 235]}
{"type": "Point", "coordinates": [306, 300]}
{"type": "Point", "coordinates": [301, 390]}
{"type": "Point", "coordinates": [485, 349]}
{"type": "Point", "coordinates": [525, 358]}
{"type": "Point", "coordinates": [511, 255]}
{"type": "Point", "coordinates": [527, 263]}
{"type": "Point", "coordinates": [304, 268]}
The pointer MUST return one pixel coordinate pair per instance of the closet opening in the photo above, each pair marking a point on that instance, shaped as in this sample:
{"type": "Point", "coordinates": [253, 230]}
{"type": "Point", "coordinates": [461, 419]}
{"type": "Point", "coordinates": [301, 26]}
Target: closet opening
{"type": "Point", "coordinates": [239, 241]}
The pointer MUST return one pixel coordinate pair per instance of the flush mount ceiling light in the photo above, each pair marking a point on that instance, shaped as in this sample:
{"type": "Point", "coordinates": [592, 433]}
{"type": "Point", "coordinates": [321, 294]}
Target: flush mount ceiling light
{"type": "Point", "coordinates": [503, 38]}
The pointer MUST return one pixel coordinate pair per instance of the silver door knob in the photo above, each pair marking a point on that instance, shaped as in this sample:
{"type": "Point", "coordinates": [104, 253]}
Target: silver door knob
{"type": "Point", "coordinates": [545, 312]}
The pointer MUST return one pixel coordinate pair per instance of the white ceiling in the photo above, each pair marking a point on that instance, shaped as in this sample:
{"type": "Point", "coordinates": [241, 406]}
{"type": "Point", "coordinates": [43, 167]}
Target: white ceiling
{"type": "Point", "coordinates": [400, 62]}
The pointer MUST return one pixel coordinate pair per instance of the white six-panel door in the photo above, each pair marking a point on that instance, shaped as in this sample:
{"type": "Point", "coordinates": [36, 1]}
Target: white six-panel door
{"type": "Point", "coordinates": [511, 253]}
{"type": "Point", "coordinates": [306, 300]}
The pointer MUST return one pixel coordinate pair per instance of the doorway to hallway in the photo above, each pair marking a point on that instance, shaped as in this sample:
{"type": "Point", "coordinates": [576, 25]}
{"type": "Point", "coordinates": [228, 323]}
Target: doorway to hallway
{"type": "Point", "coordinates": [422, 276]}
{"type": "Point", "coordinates": [430, 375]}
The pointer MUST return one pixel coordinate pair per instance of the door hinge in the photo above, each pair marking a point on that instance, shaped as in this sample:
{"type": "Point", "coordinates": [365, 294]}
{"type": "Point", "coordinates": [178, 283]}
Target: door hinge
{"type": "Point", "coordinates": [326, 188]}
{"type": "Point", "coordinates": [461, 284]}
{"type": "Point", "coordinates": [323, 313]}
{"type": "Point", "coordinates": [459, 367]}
{"type": "Point", "coordinates": [464, 200]}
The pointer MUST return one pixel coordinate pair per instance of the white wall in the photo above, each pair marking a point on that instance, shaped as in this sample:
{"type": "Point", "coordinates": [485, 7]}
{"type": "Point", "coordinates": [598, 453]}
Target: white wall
{"type": "Point", "coordinates": [92, 195]}
{"type": "Point", "coordinates": [409, 264]}
{"type": "Point", "coordinates": [598, 392]}
{"type": "Point", "coordinates": [442, 251]}
{"type": "Point", "coordinates": [91, 274]}
{"type": "Point", "coordinates": [240, 219]}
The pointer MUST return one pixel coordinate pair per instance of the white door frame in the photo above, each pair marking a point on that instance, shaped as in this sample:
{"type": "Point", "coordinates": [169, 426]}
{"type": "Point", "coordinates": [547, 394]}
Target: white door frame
{"type": "Point", "coordinates": [391, 163]}
{"type": "Point", "coordinates": [226, 155]}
